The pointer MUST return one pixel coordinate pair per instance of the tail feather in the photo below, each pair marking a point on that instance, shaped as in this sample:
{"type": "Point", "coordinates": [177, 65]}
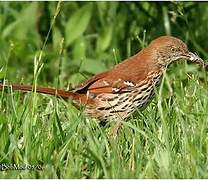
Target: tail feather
{"type": "Point", "coordinates": [76, 97]}
{"type": "Point", "coordinates": [45, 90]}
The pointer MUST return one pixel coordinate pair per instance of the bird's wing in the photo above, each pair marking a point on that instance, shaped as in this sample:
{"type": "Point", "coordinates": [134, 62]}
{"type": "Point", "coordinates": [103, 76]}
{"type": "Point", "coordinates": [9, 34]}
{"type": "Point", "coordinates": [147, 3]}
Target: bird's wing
{"type": "Point", "coordinates": [123, 77]}
{"type": "Point", "coordinates": [107, 83]}
{"type": "Point", "coordinates": [83, 87]}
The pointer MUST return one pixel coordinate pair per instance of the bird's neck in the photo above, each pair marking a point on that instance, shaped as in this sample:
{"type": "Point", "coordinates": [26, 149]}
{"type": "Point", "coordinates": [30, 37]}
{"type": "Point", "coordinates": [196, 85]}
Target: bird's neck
{"type": "Point", "coordinates": [150, 57]}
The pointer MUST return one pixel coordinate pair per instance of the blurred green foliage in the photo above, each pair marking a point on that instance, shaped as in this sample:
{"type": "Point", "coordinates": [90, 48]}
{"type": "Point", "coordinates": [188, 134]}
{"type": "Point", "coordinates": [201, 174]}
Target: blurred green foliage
{"type": "Point", "coordinates": [89, 37]}
{"type": "Point", "coordinates": [74, 40]}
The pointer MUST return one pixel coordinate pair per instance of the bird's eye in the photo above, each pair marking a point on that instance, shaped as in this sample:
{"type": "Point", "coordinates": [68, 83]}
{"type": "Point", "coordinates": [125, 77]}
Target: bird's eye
{"type": "Point", "coordinates": [173, 49]}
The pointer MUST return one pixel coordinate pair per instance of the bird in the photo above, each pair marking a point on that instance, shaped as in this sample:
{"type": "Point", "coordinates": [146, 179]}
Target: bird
{"type": "Point", "coordinates": [130, 85]}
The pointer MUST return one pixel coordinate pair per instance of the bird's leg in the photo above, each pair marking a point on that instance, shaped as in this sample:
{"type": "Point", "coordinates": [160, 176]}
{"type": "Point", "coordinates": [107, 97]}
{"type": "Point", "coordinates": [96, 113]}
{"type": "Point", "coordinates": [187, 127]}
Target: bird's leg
{"type": "Point", "coordinates": [114, 130]}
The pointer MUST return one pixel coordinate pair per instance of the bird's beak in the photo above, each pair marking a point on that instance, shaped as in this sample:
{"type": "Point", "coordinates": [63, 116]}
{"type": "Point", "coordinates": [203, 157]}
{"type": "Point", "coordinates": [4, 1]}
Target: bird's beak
{"type": "Point", "coordinates": [193, 58]}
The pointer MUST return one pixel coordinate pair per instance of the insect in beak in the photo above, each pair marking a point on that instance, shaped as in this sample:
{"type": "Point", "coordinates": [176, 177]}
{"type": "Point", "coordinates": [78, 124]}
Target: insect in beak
{"type": "Point", "coordinates": [193, 58]}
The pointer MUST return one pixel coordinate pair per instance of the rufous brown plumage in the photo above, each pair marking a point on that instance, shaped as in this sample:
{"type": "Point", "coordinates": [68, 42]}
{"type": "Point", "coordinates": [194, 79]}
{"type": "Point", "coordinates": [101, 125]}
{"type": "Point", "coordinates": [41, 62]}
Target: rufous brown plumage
{"type": "Point", "coordinates": [128, 86]}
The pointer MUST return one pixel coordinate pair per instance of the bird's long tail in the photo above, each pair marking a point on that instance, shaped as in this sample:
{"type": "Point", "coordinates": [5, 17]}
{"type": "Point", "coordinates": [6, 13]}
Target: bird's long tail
{"type": "Point", "coordinates": [78, 98]}
{"type": "Point", "coordinates": [45, 90]}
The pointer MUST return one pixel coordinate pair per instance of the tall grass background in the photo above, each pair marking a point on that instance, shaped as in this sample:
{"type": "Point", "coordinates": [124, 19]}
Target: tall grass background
{"type": "Point", "coordinates": [60, 44]}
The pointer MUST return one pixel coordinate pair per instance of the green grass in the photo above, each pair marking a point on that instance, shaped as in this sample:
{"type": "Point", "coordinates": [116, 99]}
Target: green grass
{"type": "Point", "coordinates": [166, 140]}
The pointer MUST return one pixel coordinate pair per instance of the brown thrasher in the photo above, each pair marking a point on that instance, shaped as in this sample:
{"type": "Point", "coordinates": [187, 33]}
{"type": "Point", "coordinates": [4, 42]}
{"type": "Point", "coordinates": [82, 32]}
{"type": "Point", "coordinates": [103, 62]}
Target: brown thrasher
{"type": "Point", "coordinates": [127, 86]}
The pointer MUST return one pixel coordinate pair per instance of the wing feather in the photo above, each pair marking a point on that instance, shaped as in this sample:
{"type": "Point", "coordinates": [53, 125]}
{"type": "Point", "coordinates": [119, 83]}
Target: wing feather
{"type": "Point", "coordinates": [121, 78]}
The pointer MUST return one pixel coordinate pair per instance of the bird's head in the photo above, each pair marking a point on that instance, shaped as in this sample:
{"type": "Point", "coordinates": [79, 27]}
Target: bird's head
{"type": "Point", "coordinates": [169, 49]}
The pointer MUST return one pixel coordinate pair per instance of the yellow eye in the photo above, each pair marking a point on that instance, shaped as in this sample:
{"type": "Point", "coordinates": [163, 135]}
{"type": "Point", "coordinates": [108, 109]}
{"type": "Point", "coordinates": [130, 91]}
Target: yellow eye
{"type": "Point", "coordinates": [173, 49]}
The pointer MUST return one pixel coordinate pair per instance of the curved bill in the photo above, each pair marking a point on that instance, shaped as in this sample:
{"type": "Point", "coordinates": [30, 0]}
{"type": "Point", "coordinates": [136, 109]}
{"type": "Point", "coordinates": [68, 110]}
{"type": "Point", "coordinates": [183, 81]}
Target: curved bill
{"type": "Point", "coordinates": [193, 58]}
